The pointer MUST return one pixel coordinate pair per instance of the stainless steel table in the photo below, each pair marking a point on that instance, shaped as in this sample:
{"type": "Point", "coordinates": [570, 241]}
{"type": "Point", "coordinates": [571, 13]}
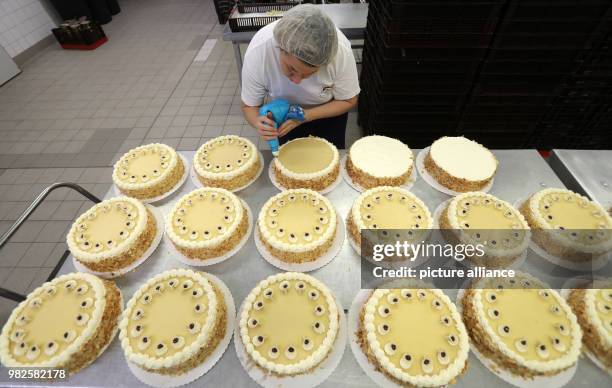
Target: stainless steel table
{"type": "Point", "coordinates": [588, 172]}
{"type": "Point", "coordinates": [349, 18]}
{"type": "Point", "coordinates": [520, 173]}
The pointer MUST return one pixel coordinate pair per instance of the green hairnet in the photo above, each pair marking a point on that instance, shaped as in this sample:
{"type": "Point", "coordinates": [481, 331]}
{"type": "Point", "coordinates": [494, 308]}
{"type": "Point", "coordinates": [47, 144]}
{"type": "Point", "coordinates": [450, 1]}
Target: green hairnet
{"type": "Point", "coordinates": [308, 34]}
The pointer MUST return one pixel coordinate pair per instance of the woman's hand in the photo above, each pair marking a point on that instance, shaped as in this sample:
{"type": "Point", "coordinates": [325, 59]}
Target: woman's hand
{"type": "Point", "coordinates": [265, 127]}
{"type": "Point", "coordinates": [287, 126]}
{"type": "Point", "coordinates": [295, 116]}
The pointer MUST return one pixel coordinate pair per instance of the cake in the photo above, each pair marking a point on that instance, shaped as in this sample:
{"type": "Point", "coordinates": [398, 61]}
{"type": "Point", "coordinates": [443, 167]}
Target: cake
{"type": "Point", "coordinates": [460, 164]}
{"type": "Point", "coordinates": [593, 309]}
{"type": "Point", "coordinates": [173, 322]}
{"type": "Point", "coordinates": [521, 325]}
{"type": "Point", "coordinates": [568, 225]}
{"type": "Point", "coordinates": [148, 171]}
{"type": "Point", "coordinates": [478, 218]}
{"type": "Point", "coordinates": [414, 336]}
{"type": "Point", "coordinates": [390, 209]}
{"type": "Point", "coordinates": [289, 324]}
{"type": "Point", "coordinates": [207, 223]}
{"type": "Point", "coordinates": [229, 162]}
{"type": "Point", "coordinates": [307, 162]}
{"type": "Point", "coordinates": [112, 234]}
{"type": "Point", "coordinates": [297, 225]}
{"type": "Point", "coordinates": [64, 324]}
{"type": "Point", "coordinates": [379, 161]}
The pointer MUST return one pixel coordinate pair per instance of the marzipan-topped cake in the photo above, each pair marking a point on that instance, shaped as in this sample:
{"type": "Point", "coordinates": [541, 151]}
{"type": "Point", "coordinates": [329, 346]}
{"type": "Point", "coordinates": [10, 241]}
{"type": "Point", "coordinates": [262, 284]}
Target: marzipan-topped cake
{"type": "Point", "coordinates": [207, 223]}
{"type": "Point", "coordinates": [148, 171]}
{"type": "Point", "coordinates": [523, 326]}
{"type": "Point", "coordinates": [593, 308]}
{"type": "Point", "coordinates": [460, 164]}
{"type": "Point", "coordinates": [229, 162]}
{"type": "Point", "coordinates": [112, 234]}
{"type": "Point", "coordinates": [414, 336]}
{"type": "Point", "coordinates": [297, 225]}
{"type": "Point", "coordinates": [65, 323]}
{"type": "Point", "coordinates": [568, 225]}
{"type": "Point", "coordinates": [480, 218]}
{"type": "Point", "coordinates": [289, 323]}
{"type": "Point", "coordinates": [397, 211]}
{"type": "Point", "coordinates": [307, 162]}
{"type": "Point", "coordinates": [173, 322]}
{"type": "Point", "coordinates": [379, 161]}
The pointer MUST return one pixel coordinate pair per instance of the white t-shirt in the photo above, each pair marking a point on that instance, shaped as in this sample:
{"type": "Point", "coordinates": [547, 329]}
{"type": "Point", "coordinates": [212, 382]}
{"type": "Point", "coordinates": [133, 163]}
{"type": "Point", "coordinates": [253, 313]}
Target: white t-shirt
{"type": "Point", "coordinates": [262, 75]}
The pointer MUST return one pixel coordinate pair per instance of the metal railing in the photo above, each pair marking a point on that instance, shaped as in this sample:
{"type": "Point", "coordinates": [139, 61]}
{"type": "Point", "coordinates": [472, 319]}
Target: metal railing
{"type": "Point", "coordinates": [5, 293]}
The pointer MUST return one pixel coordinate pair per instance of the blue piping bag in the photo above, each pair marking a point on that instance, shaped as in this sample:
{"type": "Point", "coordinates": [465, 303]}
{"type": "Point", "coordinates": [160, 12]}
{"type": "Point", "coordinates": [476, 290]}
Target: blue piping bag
{"type": "Point", "coordinates": [273, 143]}
{"type": "Point", "coordinates": [279, 109]}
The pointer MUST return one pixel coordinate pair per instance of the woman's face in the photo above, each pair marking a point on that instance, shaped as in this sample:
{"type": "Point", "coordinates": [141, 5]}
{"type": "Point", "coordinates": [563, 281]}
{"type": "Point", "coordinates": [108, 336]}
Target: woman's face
{"type": "Point", "coordinates": [294, 69]}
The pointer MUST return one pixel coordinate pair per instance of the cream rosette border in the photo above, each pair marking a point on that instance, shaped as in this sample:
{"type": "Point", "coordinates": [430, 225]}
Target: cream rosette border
{"type": "Point", "coordinates": [122, 184]}
{"type": "Point", "coordinates": [215, 241]}
{"type": "Point", "coordinates": [478, 145]}
{"type": "Point", "coordinates": [318, 355]}
{"type": "Point", "coordinates": [593, 316]}
{"type": "Point", "coordinates": [454, 222]}
{"type": "Point", "coordinates": [446, 375]}
{"type": "Point", "coordinates": [534, 202]}
{"type": "Point", "coordinates": [62, 358]}
{"type": "Point", "coordinates": [364, 169]}
{"type": "Point", "coordinates": [124, 246]}
{"type": "Point", "coordinates": [356, 208]}
{"type": "Point", "coordinates": [188, 352]}
{"type": "Point", "coordinates": [313, 175]}
{"type": "Point", "coordinates": [224, 175]}
{"type": "Point", "coordinates": [565, 361]}
{"type": "Point", "coordinates": [269, 236]}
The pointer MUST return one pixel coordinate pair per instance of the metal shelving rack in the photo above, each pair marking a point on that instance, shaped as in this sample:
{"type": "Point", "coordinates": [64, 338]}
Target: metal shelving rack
{"type": "Point", "coordinates": [26, 214]}
{"type": "Point", "coordinates": [507, 73]}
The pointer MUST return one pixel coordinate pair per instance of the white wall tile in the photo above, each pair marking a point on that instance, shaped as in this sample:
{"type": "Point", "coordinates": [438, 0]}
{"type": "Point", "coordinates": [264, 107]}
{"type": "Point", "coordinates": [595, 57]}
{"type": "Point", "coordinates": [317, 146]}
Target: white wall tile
{"type": "Point", "coordinates": [23, 23]}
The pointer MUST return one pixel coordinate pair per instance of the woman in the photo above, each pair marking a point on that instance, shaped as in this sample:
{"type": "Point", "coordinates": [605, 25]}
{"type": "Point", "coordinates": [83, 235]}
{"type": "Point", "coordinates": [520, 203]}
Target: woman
{"type": "Point", "coordinates": [304, 59]}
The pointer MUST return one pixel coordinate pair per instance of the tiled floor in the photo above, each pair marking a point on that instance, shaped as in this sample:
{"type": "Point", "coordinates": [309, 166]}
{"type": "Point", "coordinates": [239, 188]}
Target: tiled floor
{"type": "Point", "coordinates": [71, 114]}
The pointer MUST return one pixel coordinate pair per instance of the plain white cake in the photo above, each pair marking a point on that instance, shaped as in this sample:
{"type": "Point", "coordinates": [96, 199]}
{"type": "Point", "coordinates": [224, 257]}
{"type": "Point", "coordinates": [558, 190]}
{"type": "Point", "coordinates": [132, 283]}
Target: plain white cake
{"type": "Point", "coordinates": [379, 161]}
{"type": "Point", "coordinates": [460, 164]}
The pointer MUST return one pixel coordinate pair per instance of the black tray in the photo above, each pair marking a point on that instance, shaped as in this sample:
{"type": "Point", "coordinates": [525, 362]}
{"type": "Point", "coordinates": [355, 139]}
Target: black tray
{"type": "Point", "coordinates": [399, 69]}
{"type": "Point", "coordinates": [264, 7]}
{"type": "Point", "coordinates": [416, 135]}
{"type": "Point", "coordinates": [223, 8]}
{"type": "Point", "coordinates": [377, 35]}
{"type": "Point", "coordinates": [399, 106]}
{"type": "Point", "coordinates": [549, 26]}
{"type": "Point", "coordinates": [560, 9]}
{"type": "Point", "coordinates": [418, 24]}
{"type": "Point", "coordinates": [572, 137]}
{"type": "Point", "coordinates": [430, 85]}
{"type": "Point", "coordinates": [525, 54]}
{"type": "Point", "coordinates": [530, 67]}
{"type": "Point", "coordinates": [468, 128]}
{"type": "Point", "coordinates": [521, 84]}
{"type": "Point", "coordinates": [476, 109]}
{"type": "Point", "coordinates": [254, 23]}
{"type": "Point", "coordinates": [455, 9]}
{"type": "Point", "coordinates": [427, 53]}
{"type": "Point", "coordinates": [542, 41]}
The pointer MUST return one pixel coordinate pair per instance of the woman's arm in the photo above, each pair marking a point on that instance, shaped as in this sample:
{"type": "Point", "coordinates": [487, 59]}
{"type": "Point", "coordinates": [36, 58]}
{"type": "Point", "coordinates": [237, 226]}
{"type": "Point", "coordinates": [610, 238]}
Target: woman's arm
{"type": "Point", "coordinates": [329, 109]}
{"type": "Point", "coordinates": [263, 124]}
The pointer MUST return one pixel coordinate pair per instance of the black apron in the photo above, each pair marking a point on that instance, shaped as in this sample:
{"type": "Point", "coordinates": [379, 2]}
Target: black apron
{"type": "Point", "coordinates": [332, 129]}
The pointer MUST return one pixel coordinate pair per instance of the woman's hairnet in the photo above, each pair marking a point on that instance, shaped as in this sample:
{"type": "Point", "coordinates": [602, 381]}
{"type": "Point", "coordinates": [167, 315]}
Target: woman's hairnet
{"type": "Point", "coordinates": [308, 34]}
